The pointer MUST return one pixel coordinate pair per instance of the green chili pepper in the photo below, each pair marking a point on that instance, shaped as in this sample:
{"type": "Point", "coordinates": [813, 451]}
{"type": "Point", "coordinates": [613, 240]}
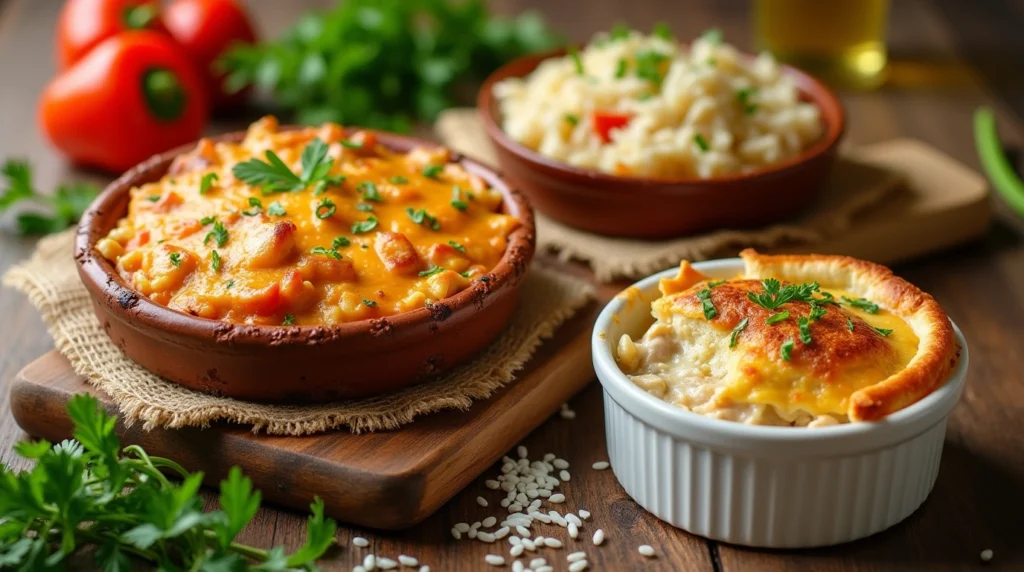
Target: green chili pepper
{"type": "Point", "coordinates": [993, 160]}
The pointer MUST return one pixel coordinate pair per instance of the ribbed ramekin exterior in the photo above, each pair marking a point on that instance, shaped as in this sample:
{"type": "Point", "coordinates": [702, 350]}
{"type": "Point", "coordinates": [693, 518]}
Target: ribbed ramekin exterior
{"type": "Point", "coordinates": [742, 498]}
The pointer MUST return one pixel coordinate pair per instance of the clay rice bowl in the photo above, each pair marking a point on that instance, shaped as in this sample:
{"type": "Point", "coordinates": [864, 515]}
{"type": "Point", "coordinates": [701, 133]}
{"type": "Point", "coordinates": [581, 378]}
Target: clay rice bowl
{"type": "Point", "coordinates": [300, 363]}
{"type": "Point", "coordinates": [652, 208]}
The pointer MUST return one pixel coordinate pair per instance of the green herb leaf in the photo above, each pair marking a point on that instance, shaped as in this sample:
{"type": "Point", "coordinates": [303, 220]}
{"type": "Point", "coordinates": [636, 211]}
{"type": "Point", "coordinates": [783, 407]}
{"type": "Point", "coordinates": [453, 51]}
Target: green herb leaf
{"type": "Point", "coordinates": [276, 209]}
{"type": "Point", "coordinates": [229, 284]}
{"type": "Point", "coordinates": [620, 69]}
{"type": "Point", "coordinates": [805, 330]}
{"type": "Point", "coordinates": [709, 308]}
{"type": "Point", "coordinates": [369, 303]}
{"type": "Point", "coordinates": [736, 332]}
{"type": "Point", "coordinates": [314, 161]}
{"type": "Point", "coordinates": [862, 304]}
{"type": "Point", "coordinates": [340, 241]}
{"type": "Point", "coordinates": [398, 180]}
{"type": "Point", "coordinates": [326, 252]}
{"type": "Point", "coordinates": [701, 143]}
{"type": "Point", "coordinates": [457, 201]}
{"type": "Point", "coordinates": [714, 283]}
{"type": "Point", "coordinates": [153, 198]}
{"type": "Point", "coordinates": [363, 226]}
{"type": "Point", "coordinates": [431, 271]}
{"type": "Point", "coordinates": [775, 294]}
{"type": "Point", "coordinates": [364, 207]}
{"type": "Point", "coordinates": [456, 246]}
{"type": "Point", "coordinates": [662, 30]}
{"type": "Point", "coordinates": [215, 260]}
{"type": "Point", "coordinates": [65, 205]}
{"type": "Point", "coordinates": [849, 324]}
{"type": "Point", "coordinates": [207, 220]}
{"type": "Point", "coordinates": [650, 65]}
{"type": "Point", "coordinates": [289, 320]}
{"type": "Point", "coordinates": [577, 62]}
{"type": "Point", "coordinates": [207, 182]}
{"type": "Point", "coordinates": [885, 332]}
{"type": "Point", "coordinates": [219, 234]}
{"type": "Point", "coordinates": [432, 171]}
{"type": "Point", "coordinates": [422, 217]}
{"type": "Point", "coordinates": [817, 312]}
{"type": "Point", "coordinates": [256, 207]}
{"type": "Point", "coordinates": [272, 175]}
{"type": "Point", "coordinates": [571, 119]}
{"type": "Point", "coordinates": [776, 318]}
{"type": "Point", "coordinates": [369, 191]}
{"type": "Point", "coordinates": [239, 503]}
{"type": "Point", "coordinates": [348, 143]}
{"type": "Point", "coordinates": [786, 350]}
{"type": "Point", "coordinates": [325, 209]}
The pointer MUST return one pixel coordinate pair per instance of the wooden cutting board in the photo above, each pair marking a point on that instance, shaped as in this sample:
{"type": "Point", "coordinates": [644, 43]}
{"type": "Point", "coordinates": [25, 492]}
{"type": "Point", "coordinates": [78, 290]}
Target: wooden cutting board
{"type": "Point", "coordinates": [394, 479]}
{"type": "Point", "coordinates": [387, 479]}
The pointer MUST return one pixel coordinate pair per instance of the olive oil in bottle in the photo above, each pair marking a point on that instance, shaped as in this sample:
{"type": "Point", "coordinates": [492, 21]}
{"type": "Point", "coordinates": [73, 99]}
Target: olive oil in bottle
{"type": "Point", "coordinates": [842, 42]}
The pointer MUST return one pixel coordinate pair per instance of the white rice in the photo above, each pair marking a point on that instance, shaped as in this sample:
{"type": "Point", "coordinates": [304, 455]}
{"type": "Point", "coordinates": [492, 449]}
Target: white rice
{"type": "Point", "coordinates": [707, 111]}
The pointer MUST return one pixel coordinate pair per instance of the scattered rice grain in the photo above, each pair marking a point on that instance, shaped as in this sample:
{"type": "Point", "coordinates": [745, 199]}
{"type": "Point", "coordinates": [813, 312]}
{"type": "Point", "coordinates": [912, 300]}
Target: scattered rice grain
{"type": "Point", "coordinates": [516, 551]}
{"type": "Point", "coordinates": [555, 498]}
{"type": "Point", "coordinates": [552, 543]}
{"type": "Point", "coordinates": [494, 560]}
{"type": "Point", "coordinates": [600, 465]}
{"type": "Point", "coordinates": [986, 555]}
{"type": "Point", "coordinates": [564, 475]}
{"type": "Point", "coordinates": [462, 526]}
{"type": "Point", "coordinates": [522, 452]}
{"type": "Point", "coordinates": [523, 531]}
{"type": "Point", "coordinates": [360, 542]}
{"type": "Point", "coordinates": [485, 537]}
{"type": "Point", "coordinates": [598, 537]}
{"type": "Point", "coordinates": [537, 562]}
{"type": "Point", "coordinates": [517, 566]}
{"type": "Point", "coordinates": [481, 501]}
{"type": "Point", "coordinates": [578, 566]}
{"type": "Point", "coordinates": [456, 534]}
{"type": "Point", "coordinates": [574, 531]}
{"type": "Point", "coordinates": [409, 561]}
{"type": "Point", "coordinates": [576, 556]}
{"type": "Point", "coordinates": [560, 464]}
{"type": "Point", "coordinates": [386, 564]}
{"type": "Point", "coordinates": [647, 550]}
{"type": "Point", "coordinates": [370, 562]}
{"type": "Point", "coordinates": [573, 519]}
{"type": "Point", "coordinates": [584, 513]}
{"type": "Point", "coordinates": [489, 522]}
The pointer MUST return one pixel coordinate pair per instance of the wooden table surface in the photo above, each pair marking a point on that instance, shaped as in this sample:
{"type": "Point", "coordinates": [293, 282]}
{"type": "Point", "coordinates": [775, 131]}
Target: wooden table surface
{"type": "Point", "coordinates": [948, 57]}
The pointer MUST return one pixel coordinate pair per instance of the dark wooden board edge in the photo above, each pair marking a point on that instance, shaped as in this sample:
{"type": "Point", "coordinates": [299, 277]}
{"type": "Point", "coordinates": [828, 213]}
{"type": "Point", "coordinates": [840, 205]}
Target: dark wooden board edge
{"type": "Point", "coordinates": [291, 478]}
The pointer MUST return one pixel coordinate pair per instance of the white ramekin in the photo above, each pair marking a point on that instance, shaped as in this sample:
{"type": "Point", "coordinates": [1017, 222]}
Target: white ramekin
{"type": "Point", "coordinates": [777, 487]}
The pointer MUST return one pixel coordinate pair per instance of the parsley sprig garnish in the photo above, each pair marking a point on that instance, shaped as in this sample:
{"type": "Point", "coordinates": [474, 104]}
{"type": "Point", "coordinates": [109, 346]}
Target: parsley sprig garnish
{"type": "Point", "coordinates": [362, 226]}
{"type": "Point", "coordinates": [206, 183]}
{"type": "Point", "coordinates": [219, 234]}
{"type": "Point", "coordinates": [64, 207]}
{"type": "Point", "coordinates": [706, 304]}
{"type": "Point", "coordinates": [736, 331]}
{"type": "Point", "coordinates": [273, 176]}
{"type": "Point", "coordinates": [421, 216]}
{"type": "Point", "coordinates": [786, 350]}
{"type": "Point", "coordinates": [862, 304]}
{"type": "Point", "coordinates": [88, 501]}
{"type": "Point", "coordinates": [432, 271]}
{"type": "Point", "coordinates": [320, 250]}
{"type": "Point", "coordinates": [775, 294]}
{"type": "Point", "coordinates": [457, 200]}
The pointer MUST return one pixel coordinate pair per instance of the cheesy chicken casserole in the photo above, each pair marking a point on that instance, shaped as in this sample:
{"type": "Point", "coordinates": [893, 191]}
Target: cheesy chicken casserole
{"type": "Point", "coordinates": [796, 340]}
{"type": "Point", "coordinates": [307, 226]}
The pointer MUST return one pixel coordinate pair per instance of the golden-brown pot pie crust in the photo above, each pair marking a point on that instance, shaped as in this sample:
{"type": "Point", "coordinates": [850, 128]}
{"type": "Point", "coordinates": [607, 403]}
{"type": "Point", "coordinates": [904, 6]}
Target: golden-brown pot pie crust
{"type": "Point", "coordinates": [838, 352]}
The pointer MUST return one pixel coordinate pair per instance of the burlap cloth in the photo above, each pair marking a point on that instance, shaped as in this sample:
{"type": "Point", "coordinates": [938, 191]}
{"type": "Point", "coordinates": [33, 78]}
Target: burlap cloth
{"type": "Point", "coordinates": [858, 182]}
{"type": "Point", "coordinates": [50, 280]}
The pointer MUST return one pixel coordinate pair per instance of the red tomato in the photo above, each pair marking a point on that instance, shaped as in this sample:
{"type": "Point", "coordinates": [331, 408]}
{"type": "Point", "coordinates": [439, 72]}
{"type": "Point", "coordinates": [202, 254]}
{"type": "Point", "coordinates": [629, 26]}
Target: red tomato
{"type": "Point", "coordinates": [206, 29]}
{"type": "Point", "coordinates": [83, 24]}
{"type": "Point", "coordinates": [604, 121]}
{"type": "Point", "coordinates": [131, 97]}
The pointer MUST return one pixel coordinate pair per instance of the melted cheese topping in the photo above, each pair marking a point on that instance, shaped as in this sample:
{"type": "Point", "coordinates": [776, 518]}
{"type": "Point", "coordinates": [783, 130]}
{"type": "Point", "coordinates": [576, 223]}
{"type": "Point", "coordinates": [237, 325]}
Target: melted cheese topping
{"type": "Point", "coordinates": [289, 258]}
{"type": "Point", "coordinates": [686, 358]}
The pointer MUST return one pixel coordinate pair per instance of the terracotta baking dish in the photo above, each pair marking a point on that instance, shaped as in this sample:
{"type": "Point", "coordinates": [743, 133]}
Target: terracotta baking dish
{"type": "Point", "coordinates": [293, 363]}
{"type": "Point", "coordinates": [651, 208]}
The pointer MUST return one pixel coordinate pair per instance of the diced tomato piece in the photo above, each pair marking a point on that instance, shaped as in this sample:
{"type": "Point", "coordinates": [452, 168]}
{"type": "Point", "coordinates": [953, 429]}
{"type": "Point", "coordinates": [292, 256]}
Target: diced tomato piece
{"type": "Point", "coordinates": [604, 121]}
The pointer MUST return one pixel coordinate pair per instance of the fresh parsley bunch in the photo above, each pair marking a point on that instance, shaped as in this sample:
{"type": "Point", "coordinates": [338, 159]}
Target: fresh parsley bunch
{"type": "Point", "coordinates": [65, 206]}
{"type": "Point", "coordinates": [383, 63]}
{"type": "Point", "coordinates": [88, 492]}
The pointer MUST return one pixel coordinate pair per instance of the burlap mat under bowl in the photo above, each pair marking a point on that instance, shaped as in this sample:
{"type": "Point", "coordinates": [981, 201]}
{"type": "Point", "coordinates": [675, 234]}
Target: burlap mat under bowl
{"type": "Point", "coordinates": [50, 280]}
{"type": "Point", "coordinates": [858, 182]}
